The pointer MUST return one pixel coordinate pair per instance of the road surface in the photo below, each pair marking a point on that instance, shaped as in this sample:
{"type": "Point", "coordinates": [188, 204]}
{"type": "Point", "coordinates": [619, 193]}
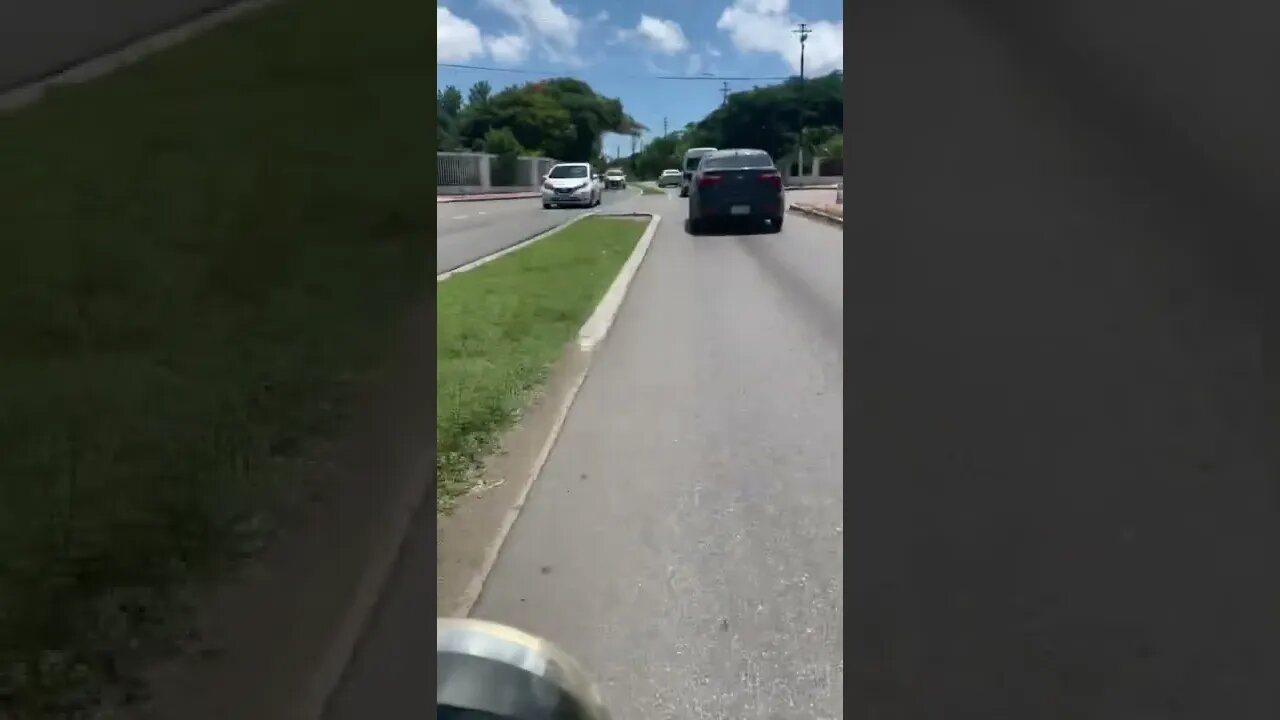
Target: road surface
{"type": "Point", "coordinates": [685, 539]}
{"type": "Point", "coordinates": [467, 231]}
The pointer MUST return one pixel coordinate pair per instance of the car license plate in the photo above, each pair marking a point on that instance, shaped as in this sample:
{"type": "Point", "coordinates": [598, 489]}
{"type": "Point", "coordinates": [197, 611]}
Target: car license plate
{"type": "Point", "coordinates": [740, 210]}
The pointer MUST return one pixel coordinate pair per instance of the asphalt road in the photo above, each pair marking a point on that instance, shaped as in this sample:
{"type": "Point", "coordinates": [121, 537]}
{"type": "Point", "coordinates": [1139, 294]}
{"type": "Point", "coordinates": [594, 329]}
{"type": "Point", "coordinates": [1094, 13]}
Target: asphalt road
{"type": "Point", "coordinates": [40, 38]}
{"type": "Point", "coordinates": [685, 539]}
{"type": "Point", "coordinates": [1062, 494]}
{"type": "Point", "coordinates": [467, 231]}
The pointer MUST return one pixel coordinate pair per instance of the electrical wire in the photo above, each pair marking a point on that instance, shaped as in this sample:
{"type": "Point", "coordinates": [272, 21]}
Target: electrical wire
{"type": "Point", "coordinates": [704, 76]}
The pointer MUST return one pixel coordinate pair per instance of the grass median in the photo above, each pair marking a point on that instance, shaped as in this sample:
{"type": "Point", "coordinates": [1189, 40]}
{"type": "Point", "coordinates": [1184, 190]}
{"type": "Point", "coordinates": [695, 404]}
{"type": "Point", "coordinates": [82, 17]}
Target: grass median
{"type": "Point", "coordinates": [647, 189]}
{"type": "Point", "coordinates": [502, 326]}
{"type": "Point", "coordinates": [202, 258]}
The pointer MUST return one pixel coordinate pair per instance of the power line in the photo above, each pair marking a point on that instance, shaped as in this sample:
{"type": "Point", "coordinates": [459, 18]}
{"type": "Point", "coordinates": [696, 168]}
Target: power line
{"type": "Point", "coordinates": [520, 71]}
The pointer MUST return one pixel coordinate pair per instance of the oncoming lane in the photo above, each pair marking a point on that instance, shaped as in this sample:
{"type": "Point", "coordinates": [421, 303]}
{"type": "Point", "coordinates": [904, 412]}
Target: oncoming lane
{"type": "Point", "coordinates": [467, 231]}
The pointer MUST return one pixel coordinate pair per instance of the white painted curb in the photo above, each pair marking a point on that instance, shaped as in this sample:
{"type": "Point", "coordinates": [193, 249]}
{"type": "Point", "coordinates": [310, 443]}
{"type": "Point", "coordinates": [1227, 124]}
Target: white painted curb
{"type": "Point", "coordinates": [508, 250]}
{"type": "Point", "coordinates": [596, 327]}
{"type": "Point", "coordinates": [815, 212]}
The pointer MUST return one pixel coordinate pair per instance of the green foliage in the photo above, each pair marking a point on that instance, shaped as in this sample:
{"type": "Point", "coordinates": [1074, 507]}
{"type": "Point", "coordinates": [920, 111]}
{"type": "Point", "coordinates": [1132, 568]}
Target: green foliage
{"type": "Point", "coordinates": [833, 147]}
{"type": "Point", "coordinates": [768, 118]}
{"type": "Point", "coordinates": [562, 117]}
{"type": "Point", "coordinates": [479, 93]}
{"type": "Point", "coordinates": [448, 106]}
{"type": "Point", "coordinates": [502, 143]}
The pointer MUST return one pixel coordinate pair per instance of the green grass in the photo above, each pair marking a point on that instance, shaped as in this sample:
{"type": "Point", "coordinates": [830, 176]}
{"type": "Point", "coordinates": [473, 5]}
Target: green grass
{"type": "Point", "coordinates": [648, 189]}
{"type": "Point", "coordinates": [201, 258]}
{"type": "Point", "coordinates": [499, 329]}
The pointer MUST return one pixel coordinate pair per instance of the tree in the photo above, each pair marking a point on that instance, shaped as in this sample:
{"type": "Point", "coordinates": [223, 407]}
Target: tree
{"type": "Point", "coordinates": [768, 118]}
{"type": "Point", "coordinates": [479, 93]}
{"type": "Point", "coordinates": [502, 143]}
{"type": "Point", "coordinates": [449, 101]}
{"type": "Point", "coordinates": [561, 117]}
{"type": "Point", "coordinates": [448, 107]}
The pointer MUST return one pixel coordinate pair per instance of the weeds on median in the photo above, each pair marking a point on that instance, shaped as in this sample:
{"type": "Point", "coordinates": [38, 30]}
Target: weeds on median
{"type": "Point", "coordinates": [501, 326]}
{"type": "Point", "coordinates": [201, 257]}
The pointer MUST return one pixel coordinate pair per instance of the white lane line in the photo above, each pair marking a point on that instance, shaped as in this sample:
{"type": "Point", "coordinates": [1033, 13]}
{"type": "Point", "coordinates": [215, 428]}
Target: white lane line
{"type": "Point", "coordinates": [462, 217]}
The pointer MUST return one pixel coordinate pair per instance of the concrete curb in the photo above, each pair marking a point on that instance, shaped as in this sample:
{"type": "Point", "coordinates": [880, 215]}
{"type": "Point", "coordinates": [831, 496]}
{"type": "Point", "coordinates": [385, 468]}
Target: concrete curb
{"type": "Point", "coordinates": [832, 186]}
{"type": "Point", "coordinates": [109, 62]}
{"type": "Point", "coordinates": [816, 213]}
{"type": "Point", "coordinates": [483, 198]}
{"type": "Point", "coordinates": [597, 326]}
{"type": "Point", "coordinates": [593, 331]}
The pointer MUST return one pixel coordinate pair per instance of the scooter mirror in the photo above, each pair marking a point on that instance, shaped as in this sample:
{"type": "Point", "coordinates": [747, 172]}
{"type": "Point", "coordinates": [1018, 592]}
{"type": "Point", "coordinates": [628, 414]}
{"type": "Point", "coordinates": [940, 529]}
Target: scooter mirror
{"type": "Point", "coordinates": [488, 670]}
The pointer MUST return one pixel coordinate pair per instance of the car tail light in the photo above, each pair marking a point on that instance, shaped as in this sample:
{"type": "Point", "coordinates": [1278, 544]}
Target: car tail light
{"type": "Point", "coordinates": [773, 179]}
{"type": "Point", "coordinates": [706, 180]}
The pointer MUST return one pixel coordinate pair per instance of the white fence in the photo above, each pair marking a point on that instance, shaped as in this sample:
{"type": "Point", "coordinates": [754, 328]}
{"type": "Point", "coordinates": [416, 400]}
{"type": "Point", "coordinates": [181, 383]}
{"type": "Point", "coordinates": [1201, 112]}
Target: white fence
{"type": "Point", "coordinates": [820, 171]}
{"type": "Point", "coordinates": [468, 173]}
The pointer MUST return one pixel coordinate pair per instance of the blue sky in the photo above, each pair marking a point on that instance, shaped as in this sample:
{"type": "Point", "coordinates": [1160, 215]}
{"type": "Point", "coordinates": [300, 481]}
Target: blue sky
{"type": "Point", "coordinates": [618, 46]}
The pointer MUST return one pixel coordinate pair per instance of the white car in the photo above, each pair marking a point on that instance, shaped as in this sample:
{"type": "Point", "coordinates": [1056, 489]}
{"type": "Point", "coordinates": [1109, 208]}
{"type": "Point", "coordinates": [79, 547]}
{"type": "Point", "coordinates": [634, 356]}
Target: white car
{"type": "Point", "coordinates": [670, 177]}
{"type": "Point", "coordinates": [570, 184]}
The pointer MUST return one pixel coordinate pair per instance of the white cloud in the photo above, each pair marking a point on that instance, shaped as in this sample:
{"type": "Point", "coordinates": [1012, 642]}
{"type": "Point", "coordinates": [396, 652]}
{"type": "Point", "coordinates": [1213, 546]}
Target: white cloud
{"type": "Point", "coordinates": [545, 24]}
{"type": "Point", "coordinates": [694, 66]}
{"type": "Point", "coordinates": [765, 26]}
{"type": "Point", "coordinates": [508, 49]}
{"type": "Point", "coordinates": [457, 39]}
{"type": "Point", "coordinates": [662, 35]}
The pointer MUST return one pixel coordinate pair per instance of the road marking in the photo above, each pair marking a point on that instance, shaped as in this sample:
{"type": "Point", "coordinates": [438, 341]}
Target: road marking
{"type": "Point", "coordinates": [462, 217]}
{"type": "Point", "coordinates": [494, 256]}
{"type": "Point", "coordinates": [480, 213]}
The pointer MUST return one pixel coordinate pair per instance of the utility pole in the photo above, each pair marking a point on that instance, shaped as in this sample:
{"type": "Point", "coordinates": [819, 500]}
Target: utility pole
{"type": "Point", "coordinates": [724, 92]}
{"type": "Point", "coordinates": [803, 31]}
{"type": "Point", "coordinates": [664, 127]}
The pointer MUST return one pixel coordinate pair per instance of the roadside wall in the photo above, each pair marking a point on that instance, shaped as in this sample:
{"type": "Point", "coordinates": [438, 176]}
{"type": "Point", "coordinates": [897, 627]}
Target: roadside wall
{"type": "Point", "coordinates": [41, 37]}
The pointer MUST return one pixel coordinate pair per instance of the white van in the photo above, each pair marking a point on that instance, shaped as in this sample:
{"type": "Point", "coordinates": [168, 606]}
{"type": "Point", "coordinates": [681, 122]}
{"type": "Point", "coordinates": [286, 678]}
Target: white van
{"type": "Point", "coordinates": [692, 157]}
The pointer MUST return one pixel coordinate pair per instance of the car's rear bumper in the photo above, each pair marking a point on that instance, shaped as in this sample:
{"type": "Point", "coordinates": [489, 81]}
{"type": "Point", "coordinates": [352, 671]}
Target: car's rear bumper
{"type": "Point", "coordinates": [724, 211]}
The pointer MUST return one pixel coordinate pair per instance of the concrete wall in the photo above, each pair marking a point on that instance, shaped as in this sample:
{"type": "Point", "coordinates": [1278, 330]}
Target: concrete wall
{"type": "Point", "coordinates": [41, 37]}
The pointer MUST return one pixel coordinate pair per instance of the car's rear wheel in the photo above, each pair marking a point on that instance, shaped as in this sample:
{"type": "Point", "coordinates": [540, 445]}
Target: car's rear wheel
{"type": "Point", "coordinates": [775, 224]}
{"type": "Point", "coordinates": [694, 226]}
